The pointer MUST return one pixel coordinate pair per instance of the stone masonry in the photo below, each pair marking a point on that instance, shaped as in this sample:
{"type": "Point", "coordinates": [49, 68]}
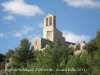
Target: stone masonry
{"type": "Point", "coordinates": [50, 34]}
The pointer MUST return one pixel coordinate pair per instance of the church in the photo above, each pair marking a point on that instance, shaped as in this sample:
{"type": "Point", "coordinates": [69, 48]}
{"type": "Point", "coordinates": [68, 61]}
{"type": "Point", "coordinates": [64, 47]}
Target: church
{"type": "Point", "coordinates": [50, 34]}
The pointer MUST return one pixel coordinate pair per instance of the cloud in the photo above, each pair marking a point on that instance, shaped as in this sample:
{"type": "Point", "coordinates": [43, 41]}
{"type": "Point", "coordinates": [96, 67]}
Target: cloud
{"type": "Point", "coordinates": [24, 31]}
{"type": "Point", "coordinates": [19, 7]}
{"type": "Point", "coordinates": [72, 37]}
{"type": "Point", "coordinates": [40, 25]}
{"type": "Point", "coordinates": [1, 35]}
{"type": "Point", "coordinates": [8, 17]}
{"type": "Point", "coordinates": [83, 3]}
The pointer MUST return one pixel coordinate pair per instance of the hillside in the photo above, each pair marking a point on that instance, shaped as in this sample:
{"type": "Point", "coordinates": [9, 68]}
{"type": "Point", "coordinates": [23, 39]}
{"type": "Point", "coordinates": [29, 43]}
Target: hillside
{"type": "Point", "coordinates": [79, 59]}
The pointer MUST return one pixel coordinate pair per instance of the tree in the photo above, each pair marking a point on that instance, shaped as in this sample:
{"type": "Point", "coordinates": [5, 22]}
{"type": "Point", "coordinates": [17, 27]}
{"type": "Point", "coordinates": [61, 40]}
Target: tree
{"type": "Point", "coordinates": [9, 54]}
{"type": "Point", "coordinates": [51, 58]}
{"type": "Point", "coordinates": [98, 39]}
{"type": "Point", "coordinates": [58, 57]}
{"type": "Point", "coordinates": [2, 63]}
{"type": "Point", "coordinates": [91, 47]}
{"type": "Point", "coordinates": [2, 57]}
{"type": "Point", "coordinates": [93, 60]}
{"type": "Point", "coordinates": [22, 55]}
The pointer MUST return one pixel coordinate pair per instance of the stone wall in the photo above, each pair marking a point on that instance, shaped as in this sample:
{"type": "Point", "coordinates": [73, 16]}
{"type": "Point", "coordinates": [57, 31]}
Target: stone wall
{"type": "Point", "coordinates": [39, 43]}
{"type": "Point", "coordinates": [58, 36]}
{"type": "Point", "coordinates": [36, 43]}
{"type": "Point", "coordinates": [49, 27]}
{"type": "Point", "coordinates": [7, 65]}
{"type": "Point", "coordinates": [50, 34]}
{"type": "Point", "coordinates": [81, 50]}
{"type": "Point", "coordinates": [45, 42]}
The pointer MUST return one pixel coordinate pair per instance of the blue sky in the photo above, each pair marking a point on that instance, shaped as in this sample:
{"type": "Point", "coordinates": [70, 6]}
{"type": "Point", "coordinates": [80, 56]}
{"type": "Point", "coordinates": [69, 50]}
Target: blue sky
{"type": "Point", "coordinates": [77, 19]}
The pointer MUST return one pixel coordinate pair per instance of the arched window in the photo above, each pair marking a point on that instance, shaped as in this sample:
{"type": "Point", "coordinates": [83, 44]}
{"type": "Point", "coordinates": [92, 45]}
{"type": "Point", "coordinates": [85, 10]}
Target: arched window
{"type": "Point", "coordinates": [46, 21]}
{"type": "Point", "coordinates": [50, 22]}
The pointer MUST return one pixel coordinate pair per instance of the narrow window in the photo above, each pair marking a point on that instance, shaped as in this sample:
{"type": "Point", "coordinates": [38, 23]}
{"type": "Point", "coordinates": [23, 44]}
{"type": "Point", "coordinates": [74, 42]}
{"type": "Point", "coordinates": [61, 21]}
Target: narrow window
{"type": "Point", "coordinates": [46, 21]}
{"type": "Point", "coordinates": [36, 43]}
{"type": "Point", "coordinates": [50, 21]}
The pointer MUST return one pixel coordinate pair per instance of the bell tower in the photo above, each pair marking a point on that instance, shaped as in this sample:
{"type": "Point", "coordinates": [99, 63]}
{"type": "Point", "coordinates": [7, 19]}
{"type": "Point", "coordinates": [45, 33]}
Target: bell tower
{"type": "Point", "coordinates": [49, 27]}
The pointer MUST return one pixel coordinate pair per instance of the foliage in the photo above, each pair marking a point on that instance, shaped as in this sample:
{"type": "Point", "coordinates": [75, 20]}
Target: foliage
{"type": "Point", "coordinates": [51, 59]}
{"type": "Point", "coordinates": [92, 47]}
{"type": "Point", "coordinates": [58, 60]}
{"type": "Point", "coordinates": [22, 55]}
{"type": "Point", "coordinates": [77, 47]}
{"type": "Point", "coordinates": [9, 54]}
{"type": "Point", "coordinates": [70, 51]}
{"type": "Point", "coordinates": [2, 58]}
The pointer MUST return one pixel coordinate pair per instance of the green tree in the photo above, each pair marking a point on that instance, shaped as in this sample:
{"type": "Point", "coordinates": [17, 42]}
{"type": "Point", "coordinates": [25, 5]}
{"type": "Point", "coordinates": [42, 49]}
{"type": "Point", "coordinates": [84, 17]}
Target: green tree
{"type": "Point", "coordinates": [51, 58]}
{"type": "Point", "coordinates": [2, 57]}
{"type": "Point", "coordinates": [22, 55]}
{"type": "Point", "coordinates": [93, 60]}
{"type": "Point", "coordinates": [58, 57]}
{"type": "Point", "coordinates": [91, 47]}
{"type": "Point", "coordinates": [98, 39]}
{"type": "Point", "coordinates": [9, 54]}
{"type": "Point", "coordinates": [2, 63]}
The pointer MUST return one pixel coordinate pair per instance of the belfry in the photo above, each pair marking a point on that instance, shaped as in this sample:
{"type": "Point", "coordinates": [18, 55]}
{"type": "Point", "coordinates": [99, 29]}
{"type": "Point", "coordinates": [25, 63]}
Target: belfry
{"type": "Point", "coordinates": [50, 34]}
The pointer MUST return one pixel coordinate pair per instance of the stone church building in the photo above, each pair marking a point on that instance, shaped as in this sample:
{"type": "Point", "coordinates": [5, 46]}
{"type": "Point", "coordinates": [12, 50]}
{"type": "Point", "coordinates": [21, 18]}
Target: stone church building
{"type": "Point", "coordinates": [50, 34]}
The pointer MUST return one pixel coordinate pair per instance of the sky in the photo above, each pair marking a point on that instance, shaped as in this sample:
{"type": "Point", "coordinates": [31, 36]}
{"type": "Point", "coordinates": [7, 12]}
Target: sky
{"type": "Point", "coordinates": [79, 20]}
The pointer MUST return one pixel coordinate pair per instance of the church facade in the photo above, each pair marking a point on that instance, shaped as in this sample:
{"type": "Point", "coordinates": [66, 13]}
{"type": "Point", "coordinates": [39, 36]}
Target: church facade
{"type": "Point", "coordinates": [50, 34]}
